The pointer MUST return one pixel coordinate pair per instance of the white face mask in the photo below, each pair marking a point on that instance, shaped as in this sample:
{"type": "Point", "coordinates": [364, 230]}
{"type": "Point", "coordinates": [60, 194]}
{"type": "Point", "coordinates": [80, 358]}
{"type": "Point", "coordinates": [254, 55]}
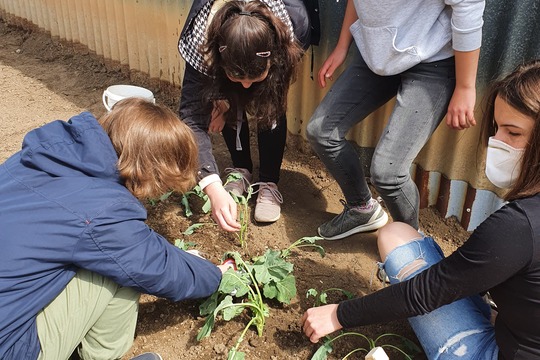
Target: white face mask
{"type": "Point", "coordinates": [503, 163]}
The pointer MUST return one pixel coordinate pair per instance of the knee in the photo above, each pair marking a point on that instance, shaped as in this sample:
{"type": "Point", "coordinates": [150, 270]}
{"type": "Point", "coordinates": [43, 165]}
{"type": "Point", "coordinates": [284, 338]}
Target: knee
{"type": "Point", "coordinates": [393, 235]}
{"type": "Point", "coordinates": [313, 132]}
{"type": "Point", "coordinates": [387, 175]}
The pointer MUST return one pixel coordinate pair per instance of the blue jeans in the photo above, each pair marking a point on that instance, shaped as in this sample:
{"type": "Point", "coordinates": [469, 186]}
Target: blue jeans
{"type": "Point", "coordinates": [423, 93]}
{"type": "Point", "coordinates": [460, 330]}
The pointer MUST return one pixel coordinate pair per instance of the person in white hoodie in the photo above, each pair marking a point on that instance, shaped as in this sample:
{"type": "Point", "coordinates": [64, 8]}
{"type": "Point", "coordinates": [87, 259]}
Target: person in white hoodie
{"type": "Point", "coordinates": [425, 53]}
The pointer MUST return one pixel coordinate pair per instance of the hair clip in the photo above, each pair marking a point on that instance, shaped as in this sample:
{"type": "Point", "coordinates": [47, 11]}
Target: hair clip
{"type": "Point", "coordinates": [222, 48]}
{"type": "Point", "coordinates": [263, 54]}
{"type": "Point", "coordinates": [247, 13]}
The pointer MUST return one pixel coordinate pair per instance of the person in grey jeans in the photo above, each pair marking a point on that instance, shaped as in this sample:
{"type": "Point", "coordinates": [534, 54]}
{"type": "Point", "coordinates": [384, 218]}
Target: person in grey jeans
{"type": "Point", "coordinates": [426, 55]}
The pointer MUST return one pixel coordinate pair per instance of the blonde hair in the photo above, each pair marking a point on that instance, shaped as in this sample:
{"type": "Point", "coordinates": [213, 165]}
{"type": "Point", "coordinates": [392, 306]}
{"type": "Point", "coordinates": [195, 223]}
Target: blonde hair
{"type": "Point", "coordinates": [156, 151]}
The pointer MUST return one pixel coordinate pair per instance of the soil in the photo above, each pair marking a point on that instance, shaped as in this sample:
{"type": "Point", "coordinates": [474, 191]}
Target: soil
{"type": "Point", "coordinates": [43, 79]}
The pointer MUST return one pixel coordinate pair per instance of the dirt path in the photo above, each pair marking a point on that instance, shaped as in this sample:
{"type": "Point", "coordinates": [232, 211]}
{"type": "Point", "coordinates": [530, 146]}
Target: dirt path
{"type": "Point", "coordinates": [43, 80]}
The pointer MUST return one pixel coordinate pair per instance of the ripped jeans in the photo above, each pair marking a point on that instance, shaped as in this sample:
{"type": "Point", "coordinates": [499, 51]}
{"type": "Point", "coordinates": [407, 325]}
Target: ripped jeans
{"type": "Point", "coordinates": [460, 330]}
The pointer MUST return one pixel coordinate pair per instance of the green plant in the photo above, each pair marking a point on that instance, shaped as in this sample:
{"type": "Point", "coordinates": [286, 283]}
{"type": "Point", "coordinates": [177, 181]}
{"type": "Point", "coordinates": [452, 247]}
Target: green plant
{"type": "Point", "coordinates": [197, 191]}
{"type": "Point", "coordinates": [181, 244]}
{"type": "Point", "coordinates": [320, 297]}
{"type": "Point", "coordinates": [163, 197]}
{"type": "Point", "coordinates": [267, 277]}
{"type": "Point", "coordinates": [327, 347]}
{"type": "Point", "coordinates": [191, 229]}
{"type": "Point", "coordinates": [304, 242]}
{"type": "Point", "coordinates": [243, 207]}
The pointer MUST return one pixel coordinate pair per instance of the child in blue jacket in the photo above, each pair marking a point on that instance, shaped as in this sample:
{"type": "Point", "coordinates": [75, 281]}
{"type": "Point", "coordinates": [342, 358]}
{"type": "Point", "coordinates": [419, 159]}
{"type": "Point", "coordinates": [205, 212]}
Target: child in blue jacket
{"type": "Point", "coordinates": [76, 251]}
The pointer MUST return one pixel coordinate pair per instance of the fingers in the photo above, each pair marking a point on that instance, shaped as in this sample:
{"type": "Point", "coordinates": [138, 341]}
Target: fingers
{"type": "Point", "coordinates": [460, 113]}
{"type": "Point", "coordinates": [217, 118]}
{"type": "Point", "coordinates": [460, 121]}
{"type": "Point", "coordinates": [225, 215]}
{"type": "Point", "coordinates": [224, 268]}
{"type": "Point", "coordinates": [226, 221]}
{"type": "Point", "coordinates": [326, 72]}
{"type": "Point", "coordinates": [320, 321]}
{"type": "Point", "coordinates": [308, 329]}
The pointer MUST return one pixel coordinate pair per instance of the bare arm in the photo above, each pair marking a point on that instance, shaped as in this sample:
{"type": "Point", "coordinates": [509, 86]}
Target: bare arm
{"type": "Point", "coordinates": [460, 113]}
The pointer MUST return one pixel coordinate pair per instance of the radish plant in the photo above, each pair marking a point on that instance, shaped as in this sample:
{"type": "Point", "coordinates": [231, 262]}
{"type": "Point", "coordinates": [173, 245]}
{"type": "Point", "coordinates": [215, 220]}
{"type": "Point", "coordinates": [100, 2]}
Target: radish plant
{"type": "Point", "coordinates": [197, 191]}
{"type": "Point", "coordinates": [245, 289]}
{"type": "Point", "coordinates": [320, 297]}
{"type": "Point", "coordinates": [327, 347]}
{"type": "Point", "coordinates": [243, 207]}
{"type": "Point", "coordinates": [304, 242]}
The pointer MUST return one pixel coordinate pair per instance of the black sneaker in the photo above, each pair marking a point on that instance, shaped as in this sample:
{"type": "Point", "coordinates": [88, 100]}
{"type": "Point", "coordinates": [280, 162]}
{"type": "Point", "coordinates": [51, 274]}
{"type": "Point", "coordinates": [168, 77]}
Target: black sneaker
{"type": "Point", "coordinates": [352, 221]}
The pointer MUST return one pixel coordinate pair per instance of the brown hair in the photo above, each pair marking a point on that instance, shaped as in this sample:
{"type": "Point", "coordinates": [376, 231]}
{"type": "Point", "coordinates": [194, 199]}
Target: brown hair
{"type": "Point", "coordinates": [241, 30]}
{"type": "Point", "coordinates": [156, 151]}
{"type": "Point", "coordinates": [521, 90]}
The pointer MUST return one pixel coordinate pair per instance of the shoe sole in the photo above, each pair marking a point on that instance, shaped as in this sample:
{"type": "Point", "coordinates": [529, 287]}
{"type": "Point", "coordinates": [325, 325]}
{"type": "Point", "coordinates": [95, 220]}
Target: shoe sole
{"type": "Point", "coordinates": [379, 223]}
{"type": "Point", "coordinates": [268, 220]}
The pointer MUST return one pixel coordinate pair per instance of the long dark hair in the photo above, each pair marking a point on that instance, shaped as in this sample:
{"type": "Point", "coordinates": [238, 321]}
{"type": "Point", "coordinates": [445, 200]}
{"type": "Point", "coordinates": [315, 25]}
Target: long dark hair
{"type": "Point", "coordinates": [521, 90]}
{"type": "Point", "coordinates": [244, 40]}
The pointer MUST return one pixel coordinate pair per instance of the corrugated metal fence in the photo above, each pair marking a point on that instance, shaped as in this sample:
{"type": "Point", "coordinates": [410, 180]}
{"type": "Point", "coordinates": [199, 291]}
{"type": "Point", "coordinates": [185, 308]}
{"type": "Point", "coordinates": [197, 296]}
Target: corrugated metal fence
{"type": "Point", "coordinates": [142, 35]}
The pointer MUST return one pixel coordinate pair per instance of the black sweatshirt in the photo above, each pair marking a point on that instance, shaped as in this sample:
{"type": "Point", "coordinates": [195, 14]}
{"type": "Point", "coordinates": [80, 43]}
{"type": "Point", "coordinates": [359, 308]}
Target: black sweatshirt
{"type": "Point", "coordinates": [501, 256]}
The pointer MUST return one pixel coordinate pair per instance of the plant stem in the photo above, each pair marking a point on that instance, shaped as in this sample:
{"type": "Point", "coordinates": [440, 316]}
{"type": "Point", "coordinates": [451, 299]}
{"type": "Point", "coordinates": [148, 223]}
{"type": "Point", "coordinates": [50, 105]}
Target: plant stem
{"type": "Point", "coordinates": [352, 352]}
{"type": "Point", "coordinates": [254, 282]}
{"type": "Point", "coordinates": [369, 341]}
{"type": "Point", "coordinates": [398, 349]}
{"type": "Point", "coordinates": [241, 338]}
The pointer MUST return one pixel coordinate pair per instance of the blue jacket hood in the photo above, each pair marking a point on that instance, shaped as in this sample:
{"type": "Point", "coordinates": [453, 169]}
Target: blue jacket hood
{"type": "Point", "coordinates": [60, 149]}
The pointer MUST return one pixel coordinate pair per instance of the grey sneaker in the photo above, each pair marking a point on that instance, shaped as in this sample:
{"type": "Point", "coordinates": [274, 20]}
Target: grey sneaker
{"type": "Point", "coordinates": [352, 221]}
{"type": "Point", "coordinates": [269, 200]}
{"type": "Point", "coordinates": [238, 187]}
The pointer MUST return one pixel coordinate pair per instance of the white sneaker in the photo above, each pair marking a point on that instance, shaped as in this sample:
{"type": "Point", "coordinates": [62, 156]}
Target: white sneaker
{"type": "Point", "coordinates": [269, 200]}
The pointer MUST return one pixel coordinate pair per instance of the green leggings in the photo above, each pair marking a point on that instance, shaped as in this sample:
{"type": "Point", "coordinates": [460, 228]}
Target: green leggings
{"type": "Point", "coordinates": [93, 314]}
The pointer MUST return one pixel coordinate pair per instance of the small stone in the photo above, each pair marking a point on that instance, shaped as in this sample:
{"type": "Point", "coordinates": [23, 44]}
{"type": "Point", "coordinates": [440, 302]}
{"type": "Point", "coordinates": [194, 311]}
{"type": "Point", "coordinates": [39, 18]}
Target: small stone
{"type": "Point", "coordinates": [220, 349]}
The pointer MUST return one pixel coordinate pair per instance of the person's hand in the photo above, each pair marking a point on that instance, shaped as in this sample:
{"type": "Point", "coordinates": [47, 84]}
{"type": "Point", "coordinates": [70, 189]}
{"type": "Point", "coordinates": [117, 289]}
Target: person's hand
{"type": "Point", "coordinates": [224, 208]}
{"type": "Point", "coordinates": [320, 321]}
{"type": "Point", "coordinates": [460, 113]}
{"type": "Point", "coordinates": [223, 268]}
{"type": "Point", "coordinates": [217, 118]}
{"type": "Point", "coordinates": [334, 60]}
{"type": "Point", "coordinates": [226, 265]}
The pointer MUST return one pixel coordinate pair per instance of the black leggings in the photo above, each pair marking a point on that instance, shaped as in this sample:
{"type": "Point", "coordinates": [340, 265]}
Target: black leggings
{"type": "Point", "coordinates": [271, 148]}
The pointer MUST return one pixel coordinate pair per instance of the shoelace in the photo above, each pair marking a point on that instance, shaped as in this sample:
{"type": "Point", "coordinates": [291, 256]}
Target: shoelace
{"type": "Point", "coordinates": [243, 181]}
{"type": "Point", "coordinates": [268, 194]}
{"type": "Point", "coordinates": [367, 207]}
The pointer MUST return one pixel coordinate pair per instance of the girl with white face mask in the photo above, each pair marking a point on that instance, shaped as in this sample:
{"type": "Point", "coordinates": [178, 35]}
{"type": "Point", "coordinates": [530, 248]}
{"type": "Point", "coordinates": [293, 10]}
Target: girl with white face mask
{"type": "Point", "coordinates": [501, 256]}
{"type": "Point", "coordinates": [506, 148]}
